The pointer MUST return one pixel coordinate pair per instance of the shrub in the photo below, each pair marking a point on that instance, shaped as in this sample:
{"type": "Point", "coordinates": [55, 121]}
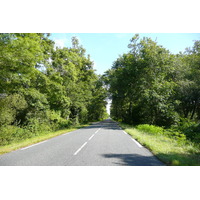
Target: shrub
{"type": "Point", "coordinates": [10, 133]}
{"type": "Point", "coordinates": [55, 120]}
{"type": "Point", "coordinates": [180, 137]}
{"type": "Point", "coordinates": [83, 116]}
{"type": "Point", "coordinates": [37, 125]}
{"type": "Point", "coordinates": [6, 134]}
{"type": "Point", "coordinates": [193, 133]}
{"type": "Point", "coordinates": [189, 128]}
{"type": "Point", "coordinates": [21, 133]}
{"type": "Point", "coordinates": [170, 133]}
{"type": "Point", "coordinates": [11, 106]}
{"type": "Point", "coordinates": [150, 129]}
{"type": "Point", "coordinates": [75, 121]}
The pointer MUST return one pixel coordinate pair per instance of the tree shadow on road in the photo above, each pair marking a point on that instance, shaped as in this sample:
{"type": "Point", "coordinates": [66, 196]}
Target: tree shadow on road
{"type": "Point", "coordinates": [133, 160]}
{"type": "Point", "coordinates": [106, 124]}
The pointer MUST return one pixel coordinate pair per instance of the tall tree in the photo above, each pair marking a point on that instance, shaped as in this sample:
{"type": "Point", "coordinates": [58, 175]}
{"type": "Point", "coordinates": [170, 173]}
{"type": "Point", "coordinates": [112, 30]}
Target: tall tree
{"type": "Point", "coordinates": [141, 83]}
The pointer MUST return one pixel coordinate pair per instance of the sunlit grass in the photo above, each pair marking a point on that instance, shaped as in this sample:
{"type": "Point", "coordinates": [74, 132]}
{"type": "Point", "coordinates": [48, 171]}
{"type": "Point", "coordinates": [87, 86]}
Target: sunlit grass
{"type": "Point", "coordinates": [36, 139]}
{"type": "Point", "coordinates": [168, 150]}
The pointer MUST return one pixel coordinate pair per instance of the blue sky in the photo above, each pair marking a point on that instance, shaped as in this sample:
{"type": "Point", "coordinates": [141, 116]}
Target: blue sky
{"type": "Point", "coordinates": [105, 48]}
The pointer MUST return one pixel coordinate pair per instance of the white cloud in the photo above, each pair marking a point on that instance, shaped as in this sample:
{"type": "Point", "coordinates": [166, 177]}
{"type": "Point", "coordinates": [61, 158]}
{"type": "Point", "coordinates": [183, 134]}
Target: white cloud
{"type": "Point", "coordinates": [60, 43]}
{"type": "Point", "coordinates": [63, 42]}
{"type": "Point", "coordinates": [94, 65]}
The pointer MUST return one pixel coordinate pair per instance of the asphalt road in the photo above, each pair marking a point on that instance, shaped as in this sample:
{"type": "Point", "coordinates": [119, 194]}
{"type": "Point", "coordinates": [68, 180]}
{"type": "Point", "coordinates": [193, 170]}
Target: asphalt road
{"type": "Point", "coordinates": [101, 144]}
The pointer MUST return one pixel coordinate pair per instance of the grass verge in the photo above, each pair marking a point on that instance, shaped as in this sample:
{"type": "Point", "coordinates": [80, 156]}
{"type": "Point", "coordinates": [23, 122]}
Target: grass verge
{"type": "Point", "coordinates": [20, 144]}
{"type": "Point", "coordinates": [168, 150]}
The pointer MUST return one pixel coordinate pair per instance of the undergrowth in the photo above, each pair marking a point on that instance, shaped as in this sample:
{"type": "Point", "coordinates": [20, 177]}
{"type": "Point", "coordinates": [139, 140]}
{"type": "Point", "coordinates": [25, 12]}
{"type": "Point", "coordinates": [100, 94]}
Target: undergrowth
{"type": "Point", "coordinates": [172, 148]}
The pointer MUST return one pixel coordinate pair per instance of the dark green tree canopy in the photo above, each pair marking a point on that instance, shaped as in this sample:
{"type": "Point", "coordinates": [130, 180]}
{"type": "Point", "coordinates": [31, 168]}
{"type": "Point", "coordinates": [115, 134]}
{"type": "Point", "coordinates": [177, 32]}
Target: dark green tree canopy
{"type": "Point", "coordinates": [150, 85]}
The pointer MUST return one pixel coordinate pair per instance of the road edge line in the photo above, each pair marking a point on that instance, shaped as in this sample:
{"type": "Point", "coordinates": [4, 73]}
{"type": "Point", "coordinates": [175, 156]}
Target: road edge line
{"type": "Point", "coordinates": [33, 145]}
{"type": "Point", "coordinates": [139, 145]}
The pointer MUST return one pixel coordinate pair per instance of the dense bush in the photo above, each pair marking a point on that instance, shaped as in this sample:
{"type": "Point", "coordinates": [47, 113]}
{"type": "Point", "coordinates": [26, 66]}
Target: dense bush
{"type": "Point", "coordinates": [156, 130]}
{"type": "Point", "coordinates": [150, 129]}
{"type": "Point", "coordinates": [10, 134]}
{"type": "Point", "coordinates": [177, 135]}
{"type": "Point", "coordinates": [55, 120]}
{"type": "Point", "coordinates": [189, 128]}
{"type": "Point", "coordinates": [11, 107]}
{"type": "Point", "coordinates": [35, 125]}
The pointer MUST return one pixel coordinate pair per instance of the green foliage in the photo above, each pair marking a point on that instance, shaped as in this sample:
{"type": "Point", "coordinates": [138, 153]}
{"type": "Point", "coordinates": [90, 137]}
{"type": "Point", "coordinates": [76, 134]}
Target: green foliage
{"type": "Point", "coordinates": [170, 150]}
{"type": "Point", "coordinates": [141, 84]}
{"type": "Point", "coordinates": [11, 107]}
{"type": "Point", "coordinates": [149, 85]}
{"type": "Point", "coordinates": [6, 134]}
{"type": "Point", "coordinates": [190, 129]}
{"type": "Point", "coordinates": [37, 126]}
{"type": "Point", "coordinates": [156, 130]}
{"type": "Point", "coordinates": [55, 120]}
{"type": "Point", "coordinates": [10, 134]}
{"type": "Point", "coordinates": [43, 88]}
{"type": "Point", "coordinates": [180, 137]}
{"type": "Point", "coordinates": [152, 129]}
{"type": "Point", "coordinates": [97, 107]}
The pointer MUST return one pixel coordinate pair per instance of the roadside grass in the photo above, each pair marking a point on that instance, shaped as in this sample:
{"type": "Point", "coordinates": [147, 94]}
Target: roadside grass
{"type": "Point", "coordinates": [168, 150]}
{"type": "Point", "coordinates": [44, 136]}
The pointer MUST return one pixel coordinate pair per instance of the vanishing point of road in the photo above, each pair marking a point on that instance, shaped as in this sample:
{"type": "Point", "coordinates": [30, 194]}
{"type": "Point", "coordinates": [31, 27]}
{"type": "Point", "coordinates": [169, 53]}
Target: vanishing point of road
{"type": "Point", "coordinates": [101, 144]}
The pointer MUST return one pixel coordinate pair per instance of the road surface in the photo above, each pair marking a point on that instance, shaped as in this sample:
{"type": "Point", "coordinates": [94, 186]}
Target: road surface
{"type": "Point", "coordinates": [101, 144]}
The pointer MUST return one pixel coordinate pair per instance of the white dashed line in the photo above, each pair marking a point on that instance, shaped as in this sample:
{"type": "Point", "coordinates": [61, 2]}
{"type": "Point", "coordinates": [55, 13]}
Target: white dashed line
{"type": "Point", "coordinates": [91, 137]}
{"type": "Point", "coordinates": [86, 142]}
{"type": "Point", "coordinates": [139, 145]}
{"type": "Point", "coordinates": [80, 148]}
{"type": "Point", "coordinates": [32, 145]}
{"type": "Point", "coordinates": [98, 130]}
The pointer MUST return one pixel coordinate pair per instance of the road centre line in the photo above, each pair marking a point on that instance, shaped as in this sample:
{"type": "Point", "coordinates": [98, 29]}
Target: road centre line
{"type": "Point", "coordinates": [98, 130]}
{"type": "Point", "coordinates": [85, 143]}
{"type": "Point", "coordinates": [80, 148]}
{"type": "Point", "coordinates": [91, 137]}
{"type": "Point", "coordinates": [139, 145]}
{"type": "Point", "coordinates": [33, 145]}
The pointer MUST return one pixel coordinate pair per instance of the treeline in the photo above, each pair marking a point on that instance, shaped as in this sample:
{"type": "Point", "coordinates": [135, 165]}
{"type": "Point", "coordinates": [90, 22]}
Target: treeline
{"type": "Point", "coordinates": [45, 88]}
{"type": "Point", "coordinates": [150, 85]}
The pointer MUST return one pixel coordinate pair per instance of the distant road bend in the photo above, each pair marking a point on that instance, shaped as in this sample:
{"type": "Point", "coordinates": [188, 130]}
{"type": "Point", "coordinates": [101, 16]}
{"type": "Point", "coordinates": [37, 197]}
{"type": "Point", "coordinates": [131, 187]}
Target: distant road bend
{"type": "Point", "coordinates": [101, 144]}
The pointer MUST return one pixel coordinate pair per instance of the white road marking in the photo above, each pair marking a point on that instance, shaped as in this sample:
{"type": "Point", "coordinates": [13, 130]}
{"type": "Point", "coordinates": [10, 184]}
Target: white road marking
{"type": "Point", "coordinates": [85, 143]}
{"type": "Point", "coordinates": [97, 130]}
{"type": "Point", "coordinates": [80, 148]}
{"type": "Point", "coordinates": [91, 137]}
{"type": "Point", "coordinates": [139, 145]}
{"type": "Point", "coordinates": [68, 133]}
{"type": "Point", "coordinates": [33, 145]}
{"type": "Point", "coordinates": [125, 132]}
